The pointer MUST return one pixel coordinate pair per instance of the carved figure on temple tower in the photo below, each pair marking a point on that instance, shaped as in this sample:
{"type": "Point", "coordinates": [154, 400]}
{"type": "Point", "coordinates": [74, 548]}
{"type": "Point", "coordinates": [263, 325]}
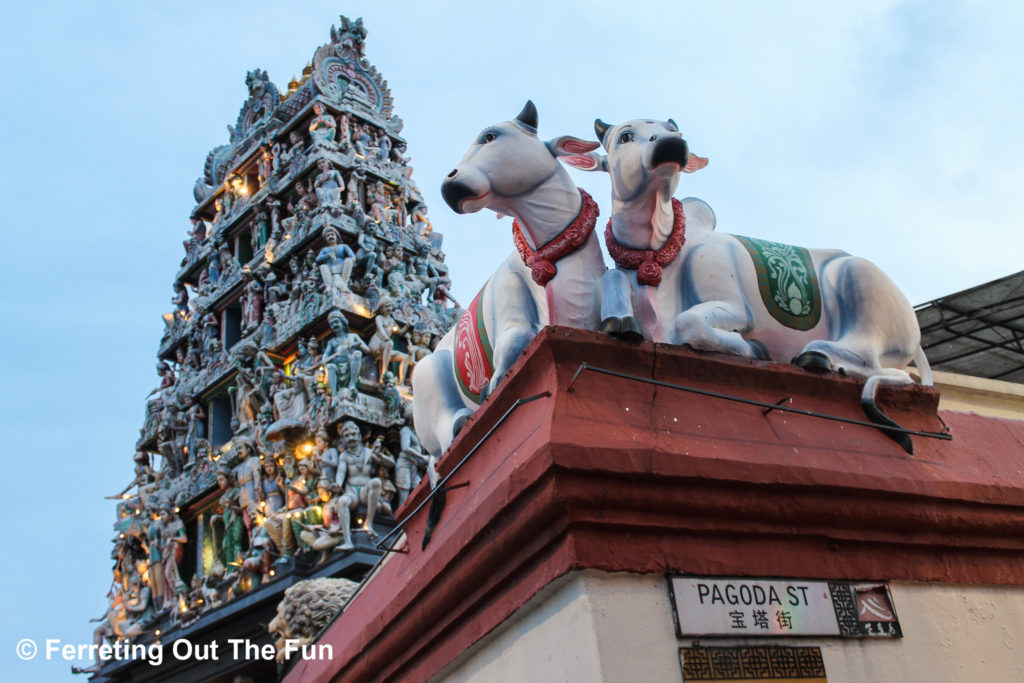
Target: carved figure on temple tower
{"type": "Point", "coordinates": [381, 345]}
{"type": "Point", "coordinates": [196, 237]}
{"type": "Point", "coordinates": [279, 525]}
{"type": "Point", "coordinates": [303, 206]}
{"type": "Point", "coordinates": [383, 146]}
{"type": "Point", "coordinates": [344, 132]}
{"type": "Point", "coordinates": [359, 142]}
{"type": "Point", "coordinates": [260, 231]}
{"type": "Point", "coordinates": [227, 202]}
{"type": "Point", "coordinates": [412, 461]}
{"type": "Point", "coordinates": [356, 180]}
{"type": "Point", "coordinates": [388, 492]}
{"type": "Point", "coordinates": [211, 336]}
{"type": "Point", "coordinates": [196, 426]}
{"type": "Point", "coordinates": [272, 488]}
{"type": "Point", "coordinates": [155, 546]}
{"type": "Point", "coordinates": [239, 190]}
{"type": "Point", "coordinates": [351, 35]}
{"type": "Point", "coordinates": [320, 403]}
{"type": "Point", "coordinates": [328, 187]}
{"type": "Point", "coordinates": [138, 607]}
{"type": "Point", "coordinates": [343, 357]}
{"type": "Point", "coordinates": [247, 477]}
{"type": "Point", "coordinates": [219, 213]}
{"type": "Point", "coordinates": [326, 535]}
{"type": "Point", "coordinates": [380, 207]}
{"type": "Point", "coordinates": [175, 538]}
{"type": "Point", "coordinates": [252, 305]}
{"type": "Point", "coordinates": [274, 291]}
{"type": "Point", "coordinates": [180, 300]}
{"type": "Point", "coordinates": [325, 455]}
{"type": "Point", "coordinates": [420, 223]}
{"type": "Point", "coordinates": [389, 390]}
{"type": "Point", "coordinates": [279, 158]}
{"type": "Point", "coordinates": [266, 165]}
{"type": "Point", "coordinates": [366, 258]}
{"type": "Point", "coordinates": [257, 561]}
{"type": "Point", "coordinates": [323, 128]}
{"type": "Point", "coordinates": [401, 161]}
{"type": "Point", "coordinates": [290, 404]}
{"type": "Point", "coordinates": [228, 263]}
{"type": "Point", "coordinates": [231, 518]}
{"type": "Point", "coordinates": [303, 359]}
{"type": "Point", "coordinates": [357, 474]}
{"type": "Point", "coordinates": [167, 380]}
{"type": "Point", "coordinates": [335, 261]}
{"type": "Point", "coordinates": [296, 155]}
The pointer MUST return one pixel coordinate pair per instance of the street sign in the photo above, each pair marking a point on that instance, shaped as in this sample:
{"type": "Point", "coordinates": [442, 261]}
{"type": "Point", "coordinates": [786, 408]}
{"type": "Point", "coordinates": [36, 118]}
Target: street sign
{"type": "Point", "coordinates": [724, 606]}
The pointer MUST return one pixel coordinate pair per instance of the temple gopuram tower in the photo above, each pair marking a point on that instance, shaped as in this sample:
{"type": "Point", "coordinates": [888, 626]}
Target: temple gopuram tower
{"type": "Point", "coordinates": [277, 445]}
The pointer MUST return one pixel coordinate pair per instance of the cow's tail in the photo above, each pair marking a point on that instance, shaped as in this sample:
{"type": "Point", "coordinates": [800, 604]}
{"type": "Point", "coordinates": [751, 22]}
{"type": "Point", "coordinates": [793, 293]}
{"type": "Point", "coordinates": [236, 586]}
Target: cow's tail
{"type": "Point", "coordinates": [889, 426]}
{"type": "Point", "coordinates": [924, 369]}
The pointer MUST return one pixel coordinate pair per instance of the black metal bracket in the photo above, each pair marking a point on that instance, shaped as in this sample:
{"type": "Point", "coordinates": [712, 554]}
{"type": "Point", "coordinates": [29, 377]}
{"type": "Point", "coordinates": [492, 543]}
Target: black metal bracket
{"type": "Point", "coordinates": [780, 402]}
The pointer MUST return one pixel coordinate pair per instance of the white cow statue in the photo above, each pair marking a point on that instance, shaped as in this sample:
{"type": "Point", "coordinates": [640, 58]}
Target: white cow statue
{"type": "Point", "coordinates": [554, 276]}
{"type": "Point", "coordinates": [820, 308]}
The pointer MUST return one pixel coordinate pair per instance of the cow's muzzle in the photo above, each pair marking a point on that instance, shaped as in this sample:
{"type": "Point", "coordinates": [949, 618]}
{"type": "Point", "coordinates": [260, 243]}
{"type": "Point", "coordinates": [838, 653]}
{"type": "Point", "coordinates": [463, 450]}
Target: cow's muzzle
{"type": "Point", "coordinates": [670, 150]}
{"type": "Point", "coordinates": [455, 192]}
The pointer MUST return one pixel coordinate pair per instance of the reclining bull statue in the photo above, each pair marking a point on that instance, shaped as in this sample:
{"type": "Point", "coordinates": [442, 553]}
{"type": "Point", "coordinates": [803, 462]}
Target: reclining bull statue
{"type": "Point", "coordinates": [821, 308]}
{"type": "Point", "coordinates": [553, 278]}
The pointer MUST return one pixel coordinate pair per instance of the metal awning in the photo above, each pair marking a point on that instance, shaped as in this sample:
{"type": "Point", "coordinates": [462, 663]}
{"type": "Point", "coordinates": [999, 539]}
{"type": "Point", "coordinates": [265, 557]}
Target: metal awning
{"type": "Point", "coordinates": [977, 332]}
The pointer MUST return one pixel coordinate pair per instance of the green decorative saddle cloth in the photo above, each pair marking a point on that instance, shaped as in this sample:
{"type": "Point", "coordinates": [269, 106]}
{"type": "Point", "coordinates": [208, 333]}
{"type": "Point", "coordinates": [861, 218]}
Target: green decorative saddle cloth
{"type": "Point", "coordinates": [787, 281]}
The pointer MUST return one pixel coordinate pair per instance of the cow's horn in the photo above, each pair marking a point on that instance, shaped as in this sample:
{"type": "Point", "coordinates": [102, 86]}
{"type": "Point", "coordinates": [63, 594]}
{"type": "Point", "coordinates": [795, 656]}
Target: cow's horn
{"type": "Point", "coordinates": [528, 116]}
{"type": "Point", "coordinates": [600, 127]}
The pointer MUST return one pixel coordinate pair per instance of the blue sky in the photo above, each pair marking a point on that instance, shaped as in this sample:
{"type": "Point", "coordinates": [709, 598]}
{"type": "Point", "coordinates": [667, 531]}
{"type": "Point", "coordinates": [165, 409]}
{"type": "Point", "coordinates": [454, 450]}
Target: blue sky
{"type": "Point", "coordinates": [889, 129]}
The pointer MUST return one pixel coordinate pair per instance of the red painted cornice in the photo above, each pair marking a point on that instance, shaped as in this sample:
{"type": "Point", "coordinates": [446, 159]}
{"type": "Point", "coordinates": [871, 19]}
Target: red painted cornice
{"type": "Point", "coordinates": [617, 475]}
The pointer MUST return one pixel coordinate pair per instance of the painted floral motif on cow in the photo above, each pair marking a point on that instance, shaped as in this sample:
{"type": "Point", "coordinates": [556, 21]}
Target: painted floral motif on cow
{"type": "Point", "coordinates": [787, 282]}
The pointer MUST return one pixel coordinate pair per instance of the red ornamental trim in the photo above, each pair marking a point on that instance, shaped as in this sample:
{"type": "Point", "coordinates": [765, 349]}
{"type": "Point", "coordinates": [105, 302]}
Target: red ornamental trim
{"type": "Point", "coordinates": [647, 262]}
{"type": "Point", "coordinates": [542, 261]}
{"type": "Point", "coordinates": [473, 357]}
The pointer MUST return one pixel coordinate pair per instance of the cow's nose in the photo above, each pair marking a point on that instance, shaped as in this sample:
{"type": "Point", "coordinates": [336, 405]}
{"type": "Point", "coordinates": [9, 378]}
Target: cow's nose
{"type": "Point", "coordinates": [454, 173]}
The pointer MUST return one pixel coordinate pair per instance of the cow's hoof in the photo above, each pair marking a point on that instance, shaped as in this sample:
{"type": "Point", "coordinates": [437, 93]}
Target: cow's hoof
{"type": "Point", "coordinates": [815, 361]}
{"type": "Point", "coordinates": [460, 421]}
{"type": "Point", "coordinates": [625, 328]}
{"type": "Point", "coordinates": [758, 351]}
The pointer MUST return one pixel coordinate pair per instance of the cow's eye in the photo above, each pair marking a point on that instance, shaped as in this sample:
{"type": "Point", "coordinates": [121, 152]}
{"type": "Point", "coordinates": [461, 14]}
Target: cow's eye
{"type": "Point", "coordinates": [490, 137]}
{"type": "Point", "coordinates": [626, 137]}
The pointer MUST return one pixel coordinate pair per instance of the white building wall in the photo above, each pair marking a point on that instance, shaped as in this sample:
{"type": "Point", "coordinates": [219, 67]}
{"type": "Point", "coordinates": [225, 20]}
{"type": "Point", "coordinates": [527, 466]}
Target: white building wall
{"type": "Point", "coordinates": [597, 626]}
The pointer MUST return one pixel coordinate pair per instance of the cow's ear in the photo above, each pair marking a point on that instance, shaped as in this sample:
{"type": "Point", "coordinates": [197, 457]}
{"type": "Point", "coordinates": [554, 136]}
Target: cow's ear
{"type": "Point", "coordinates": [695, 163]}
{"type": "Point", "coordinates": [587, 162]}
{"type": "Point", "coordinates": [567, 144]}
{"type": "Point", "coordinates": [578, 153]}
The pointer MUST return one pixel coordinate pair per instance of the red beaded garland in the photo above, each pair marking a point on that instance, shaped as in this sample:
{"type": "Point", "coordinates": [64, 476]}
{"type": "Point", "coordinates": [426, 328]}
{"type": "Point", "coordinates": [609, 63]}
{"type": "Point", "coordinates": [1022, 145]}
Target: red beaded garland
{"type": "Point", "coordinates": [542, 261]}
